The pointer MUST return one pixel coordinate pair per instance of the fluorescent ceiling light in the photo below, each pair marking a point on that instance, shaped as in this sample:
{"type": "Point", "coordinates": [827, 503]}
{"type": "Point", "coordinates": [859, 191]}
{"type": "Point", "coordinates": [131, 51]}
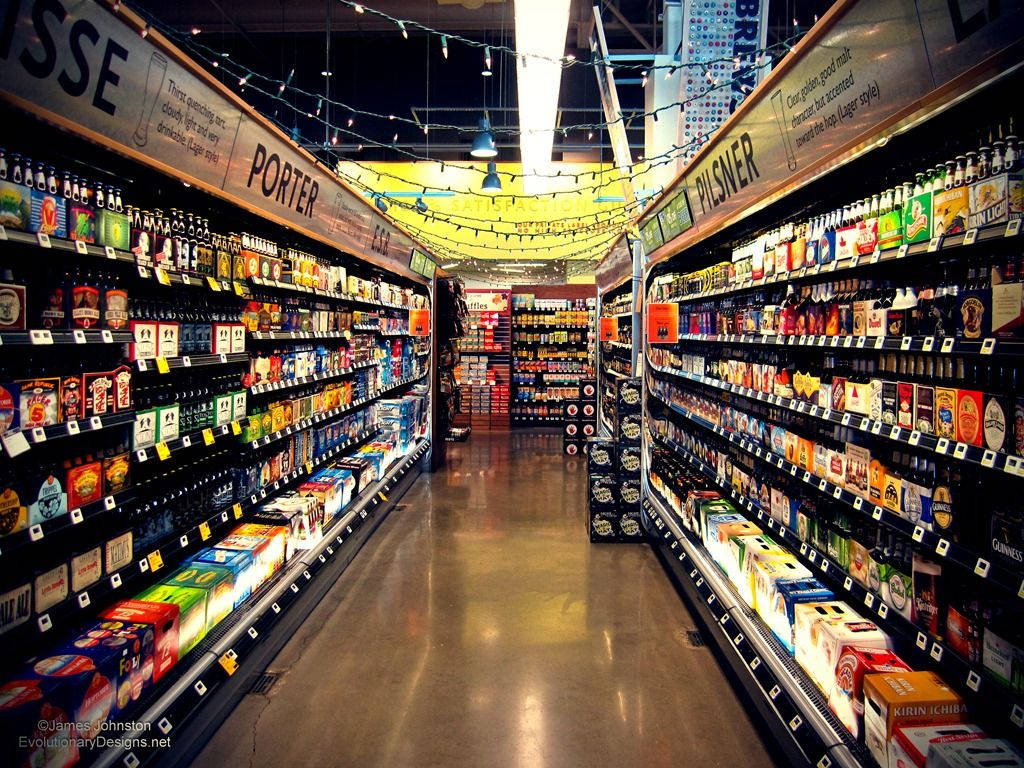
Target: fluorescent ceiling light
{"type": "Point", "coordinates": [541, 27]}
{"type": "Point", "coordinates": [517, 264]}
{"type": "Point", "coordinates": [450, 266]}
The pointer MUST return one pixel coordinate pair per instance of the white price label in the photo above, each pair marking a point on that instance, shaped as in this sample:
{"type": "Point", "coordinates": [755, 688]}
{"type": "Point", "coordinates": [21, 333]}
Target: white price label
{"type": "Point", "coordinates": [935, 244]}
{"type": "Point", "coordinates": [40, 336]}
{"type": "Point", "coordinates": [942, 548]}
{"type": "Point", "coordinates": [846, 419]}
{"type": "Point", "coordinates": [918, 533]}
{"type": "Point", "coordinates": [905, 343]}
{"type": "Point", "coordinates": [902, 252]}
{"type": "Point", "coordinates": [981, 568]}
{"type": "Point", "coordinates": [1013, 228]}
{"type": "Point", "coordinates": [988, 459]}
{"type": "Point", "coordinates": [81, 248]}
{"type": "Point", "coordinates": [970, 236]}
{"type": "Point", "coordinates": [960, 451]}
{"type": "Point", "coordinates": [43, 239]}
{"type": "Point", "coordinates": [879, 342]}
{"type": "Point", "coordinates": [915, 437]}
{"type": "Point", "coordinates": [858, 503]}
{"type": "Point", "coordinates": [73, 428]}
{"type": "Point", "coordinates": [876, 514]}
{"type": "Point", "coordinates": [78, 334]}
{"type": "Point", "coordinates": [947, 345]}
{"type": "Point", "coordinates": [876, 428]}
{"type": "Point", "coordinates": [15, 443]}
{"type": "Point", "coordinates": [942, 446]}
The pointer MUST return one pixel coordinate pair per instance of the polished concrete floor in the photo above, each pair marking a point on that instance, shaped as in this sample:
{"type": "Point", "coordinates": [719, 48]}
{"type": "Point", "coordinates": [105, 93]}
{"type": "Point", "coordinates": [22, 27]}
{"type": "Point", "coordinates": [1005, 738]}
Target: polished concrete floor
{"type": "Point", "coordinates": [478, 627]}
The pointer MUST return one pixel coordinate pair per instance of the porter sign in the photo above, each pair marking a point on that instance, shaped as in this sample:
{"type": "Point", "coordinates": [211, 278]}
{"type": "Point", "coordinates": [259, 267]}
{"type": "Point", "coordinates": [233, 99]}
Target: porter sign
{"type": "Point", "coordinates": [77, 64]}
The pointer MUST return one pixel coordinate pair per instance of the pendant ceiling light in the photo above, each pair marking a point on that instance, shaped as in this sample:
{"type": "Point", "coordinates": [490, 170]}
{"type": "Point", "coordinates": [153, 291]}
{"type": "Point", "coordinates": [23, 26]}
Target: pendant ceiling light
{"type": "Point", "coordinates": [483, 142]}
{"type": "Point", "coordinates": [491, 181]}
{"type": "Point", "coordinates": [381, 205]}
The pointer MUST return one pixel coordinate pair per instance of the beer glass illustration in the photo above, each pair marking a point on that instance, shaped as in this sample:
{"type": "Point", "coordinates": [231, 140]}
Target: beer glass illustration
{"type": "Point", "coordinates": [780, 118]}
{"type": "Point", "coordinates": [154, 84]}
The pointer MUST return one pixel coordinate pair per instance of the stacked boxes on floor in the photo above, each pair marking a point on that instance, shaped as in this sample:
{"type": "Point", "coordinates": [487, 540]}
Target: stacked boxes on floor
{"type": "Point", "coordinates": [580, 419]}
{"type": "Point", "coordinates": [613, 474]}
{"type": "Point", "coordinates": [906, 718]}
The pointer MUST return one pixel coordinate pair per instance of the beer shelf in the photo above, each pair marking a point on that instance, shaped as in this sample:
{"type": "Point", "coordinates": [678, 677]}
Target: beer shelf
{"type": "Point", "coordinates": [915, 645]}
{"type": "Point", "coordinates": [948, 345]}
{"type": "Point", "coordinates": [180, 444]}
{"type": "Point", "coordinates": [44, 337]}
{"type": "Point", "coordinates": [928, 541]}
{"type": "Point", "coordinates": [992, 232]}
{"type": "Point", "coordinates": [534, 344]}
{"type": "Point", "coordinates": [997, 461]}
{"type": "Point", "coordinates": [247, 639]}
{"type": "Point", "coordinates": [316, 292]}
{"type": "Point", "coordinates": [527, 417]}
{"type": "Point", "coordinates": [787, 700]}
{"type": "Point", "coordinates": [192, 361]}
{"type": "Point", "coordinates": [554, 326]}
{"type": "Point", "coordinates": [628, 313]}
{"type": "Point", "coordinates": [615, 374]}
{"type": "Point", "coordinates": [19, 442]}
{"type": "Point", "coordinates": [618, 344]}
{"type": "Point", "coordinates": [330, 415]}
{"type": "Point", "coordinates": [137, 575]}
{"type": "Point", "coordinates": [15, 542]}
{"type": "Point", "coordinates": [275, 386]}
{"type": "Point", "coordinates": [298, 335]}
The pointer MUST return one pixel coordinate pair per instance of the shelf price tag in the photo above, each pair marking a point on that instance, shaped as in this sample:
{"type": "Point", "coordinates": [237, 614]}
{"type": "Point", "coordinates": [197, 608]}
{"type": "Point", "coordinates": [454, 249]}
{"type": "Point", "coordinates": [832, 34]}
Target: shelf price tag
{"type": "Point", "coordinates": [161, 276]}
{"type": "Point", "coordinates": [109, 252]}
{"type": "Point", "coordinates": [970, 236]}
{"type": "Point", "coordinates": [942, 548]}
{"type": "Point", "coordinates": [239, 289]}
{"type": "Point", "coordinates": [15, 443]}
{"type": "Point", "coordinates": [235, 428]}
{"type": "Point", "coordinates": [162, 451]}
{"type": "Point", "coordinates": [43, 239]}
{"type": "Point", "coordinates": [229, 662]}
{"type": "Point", "coordinates": [918, 534]}
{"type": "Point", "coordinates": [935, 244]}
{"type": "Point", "coordinates": [988, 346]}
{"type": "Point", "coordinates": [902, 252]}
{"type": "Point", "coordinates": [207, 436]}
{"type": "Point", "coordinates": [879, 342]}
{"type": "Point", "coordinates": [988, 459]}
{"type": "Point", "coordinates": [1012, 228]}
{"type": "Point", "coordinates": [906, 342]}
{"type": "Point", "coordinates": [947, 345]}
{"type": "Point", "coordinates": [960, 451]}
{"type": "Point", "coordinates": [942, 446]}
{"type": "Point", "coordinates": [204, 531]}
{"type": "Point", "coordinates": [236, 510]}
{"type": "Point", "coordinates": [915, 437]}
{"type": "Point", "coordinates": [162, 365]}
{"type": "Point", "coordinates": [155, 560]}
{"type": "Point", "coordinates": [41, 336]}
{"type": "Point", "coordinates": [212, 284]}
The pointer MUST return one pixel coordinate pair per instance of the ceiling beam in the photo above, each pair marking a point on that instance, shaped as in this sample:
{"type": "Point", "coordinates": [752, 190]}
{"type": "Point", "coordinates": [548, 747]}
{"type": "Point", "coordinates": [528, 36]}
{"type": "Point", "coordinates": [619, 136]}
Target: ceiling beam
{"type": "Point", "coordinates": [611, 6]}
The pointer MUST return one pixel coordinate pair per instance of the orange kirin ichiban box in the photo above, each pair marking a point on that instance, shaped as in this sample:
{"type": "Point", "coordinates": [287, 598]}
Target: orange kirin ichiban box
{"type": "Point", "coordinates": [893, 699]}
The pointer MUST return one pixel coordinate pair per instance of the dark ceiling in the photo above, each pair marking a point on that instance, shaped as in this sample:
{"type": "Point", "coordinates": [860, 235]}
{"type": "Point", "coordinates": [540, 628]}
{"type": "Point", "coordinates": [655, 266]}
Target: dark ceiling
{"type": "Point", "coordinates": [374, 69]}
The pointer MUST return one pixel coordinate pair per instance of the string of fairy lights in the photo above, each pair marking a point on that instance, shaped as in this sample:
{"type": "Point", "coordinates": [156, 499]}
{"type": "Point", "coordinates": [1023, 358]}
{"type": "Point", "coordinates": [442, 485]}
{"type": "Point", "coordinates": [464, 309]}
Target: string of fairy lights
{"type": "Point", "coordinates": [282, 92]}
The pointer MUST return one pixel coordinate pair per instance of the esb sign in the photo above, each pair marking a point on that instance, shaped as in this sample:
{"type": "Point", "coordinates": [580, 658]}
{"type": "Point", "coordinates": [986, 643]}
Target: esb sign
{"type": "Point", "coordinates": [87, 67]}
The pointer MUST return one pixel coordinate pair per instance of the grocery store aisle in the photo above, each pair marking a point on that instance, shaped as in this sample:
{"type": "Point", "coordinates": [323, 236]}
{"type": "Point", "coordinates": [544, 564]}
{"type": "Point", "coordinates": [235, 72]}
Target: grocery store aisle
{"type": "Point", "coordinates": [478, 627]}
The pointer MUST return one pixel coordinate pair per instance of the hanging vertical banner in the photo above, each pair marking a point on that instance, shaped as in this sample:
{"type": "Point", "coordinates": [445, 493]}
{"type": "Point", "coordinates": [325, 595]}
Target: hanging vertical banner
{"type": "Point", "coordinates": [609, 329]}
{"type": "Point", "coordinates": [610, 103]}
{"type": "Point", "coordinates": [719, 35]}
{"type": "Point", "coordinates": [419, 322]}
{"type": "Point", "coordinates": [663, 323]}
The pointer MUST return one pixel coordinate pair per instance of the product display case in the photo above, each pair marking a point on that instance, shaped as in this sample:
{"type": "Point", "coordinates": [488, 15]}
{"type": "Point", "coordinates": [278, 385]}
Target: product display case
{"type": "Point", "coordinates": [552, 352]}
{"type": "Point", "coordinates": [831, 401]}
{"type": "Point", "coordinates": [484, 369]}
{"type": "Point", "coordinates": [204, 413]}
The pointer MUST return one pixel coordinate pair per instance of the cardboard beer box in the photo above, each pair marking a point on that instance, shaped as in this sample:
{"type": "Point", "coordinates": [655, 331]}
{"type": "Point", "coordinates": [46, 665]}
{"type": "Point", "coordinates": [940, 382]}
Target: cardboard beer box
{"type": "Point", "coordinates": [818, 652]}
{"type": "Point", "coordinates": [846, 699]}
{"type": "Point", "coordinates": [15, 205]}
{"type": "Point", "coordinates": [949, 211]}
{"type": "Point", "coordinates": [766, 576]}
{"type": "Point", "coordinates": [974, 753]}
{"type": "Point", "coordinates": [159, 619]}
{"type": "Point", "coordinates": [268, 545]}
{"type": "Point", "coordinates": [48, 214]}
{"type": "Point", "coordinates": [720, 549]}
{"type": "Point", "coordinates": [890, 230]}
{"type": "Point", "coordinates": [895, 699]}
{"type": "Point", "coordinates": [192, 605]}
{"type": "Point", "coordinates": [238, 562]}
{"type": "Point", "coordinates": [779, 611]}
{"type": "Point", "coordinates": [917, 218]}
{"type": "Point", "coordinates": [113, 229]}
{"type": "Point", "coordinates": [911, 745]}
{"type": "Point", "coordinates": [217, 582]}
{"type": "Point", "coordinates": [996, 199]}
